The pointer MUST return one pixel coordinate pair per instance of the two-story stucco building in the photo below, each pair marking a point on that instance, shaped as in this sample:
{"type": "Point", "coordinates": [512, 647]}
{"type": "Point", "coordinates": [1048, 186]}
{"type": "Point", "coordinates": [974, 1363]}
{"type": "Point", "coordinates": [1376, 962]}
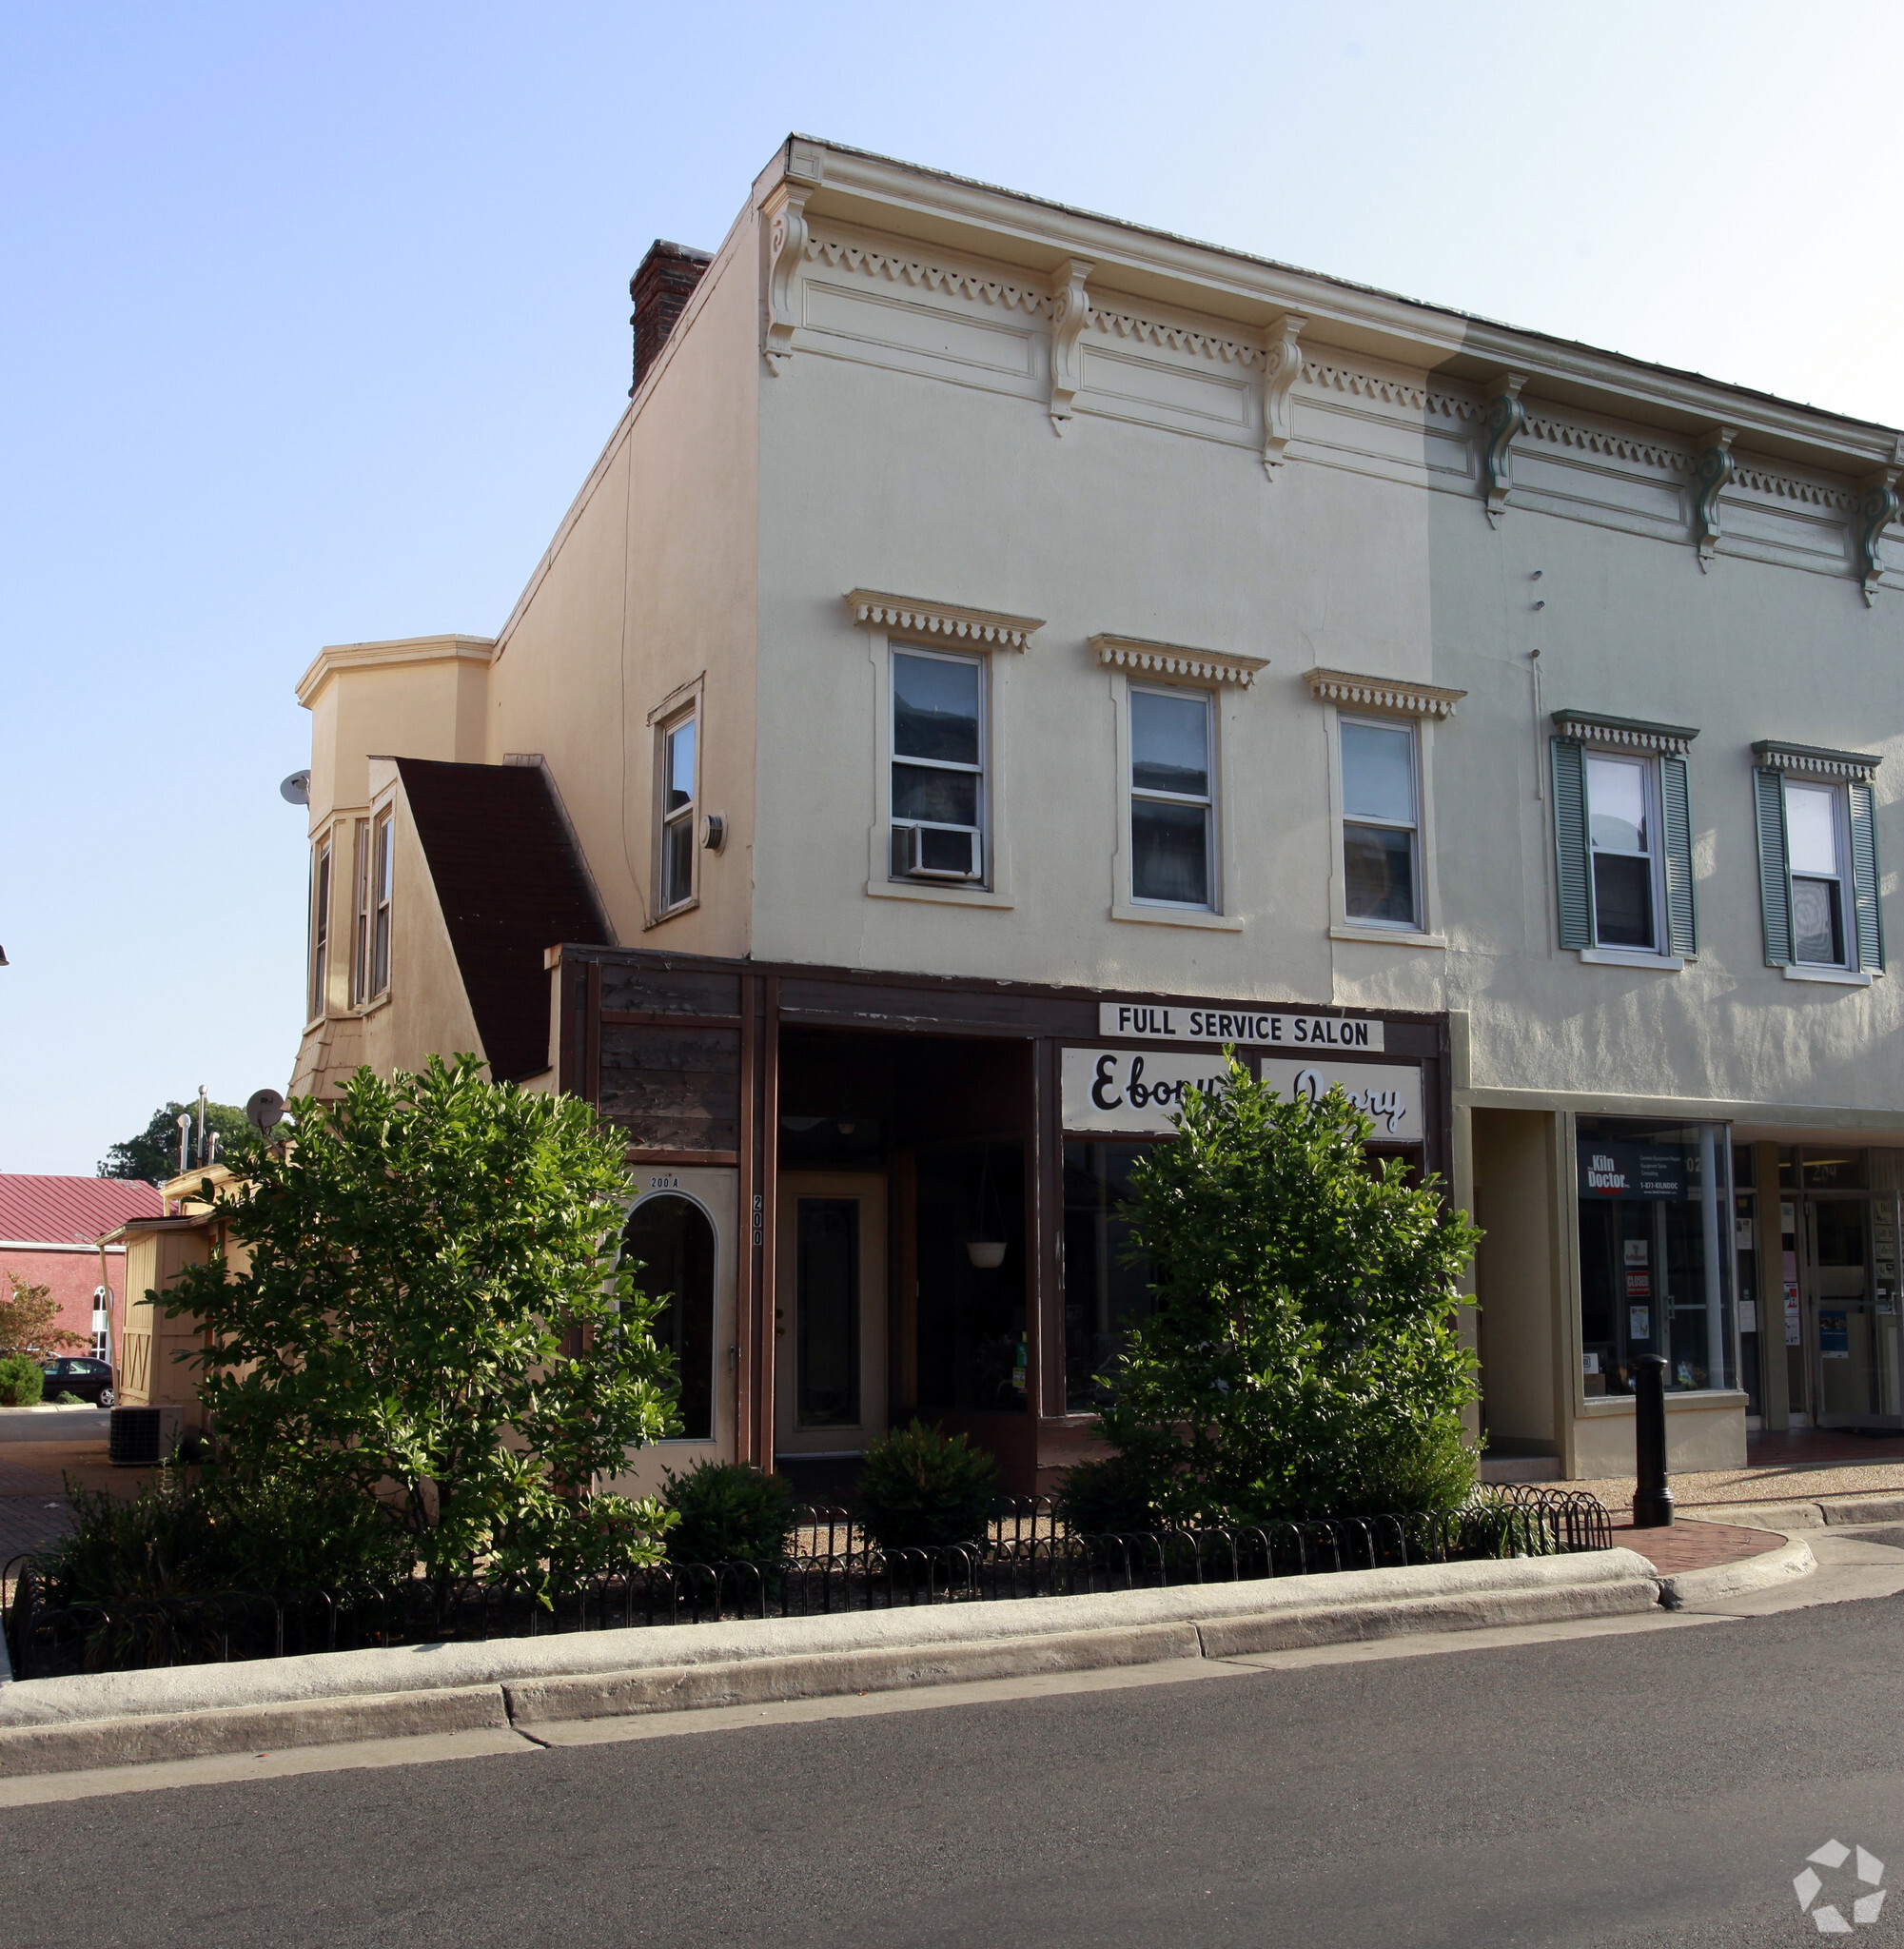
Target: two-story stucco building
{"type": "Point", "coordinates": [1003, 655]}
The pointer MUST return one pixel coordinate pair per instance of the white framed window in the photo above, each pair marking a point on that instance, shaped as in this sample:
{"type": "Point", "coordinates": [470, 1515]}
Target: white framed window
{"type": "Point", "coordinates": [382, 880]}
{"type": "Point", "coordinates": [319, 991]}
{"type": "Point", "coordinates": [678, 755]}
{"type": "Point", "coordinates": [1173, 797]}
{"type": "Point", "coordinates": [1622, 840]}
{"type": "Point", "coordinates": [1818, 857]}
{"type": "Point", "coordinates": [1380, 823]}
{"type": "Point", "coordinates": [360, 914]}
{"type": "Point", "coordinates": [939, 765]}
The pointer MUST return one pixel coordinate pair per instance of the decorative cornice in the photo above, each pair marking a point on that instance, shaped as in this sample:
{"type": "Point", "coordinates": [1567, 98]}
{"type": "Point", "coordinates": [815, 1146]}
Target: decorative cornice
{"type": "Point", "coordinates": [1281, 367]}
{"type": "Point", "coordinates": [786, 248]}
{"type": "Point", "coordinates": [1625, 733]}
{"type": "Point", "coordinates": [840, 254]}
{"type": "Point", "coordinates": [1622, 446]}
{"type": "Point", "coordinates": [1713, 467]}
{"type": "Point", "coordinates": [953, 620]}
{"type": "Point", "coordinates": [1174, 664]}
{"type": "Point", "coordinates": [1071, 313]}
{"type": "Point", "coordinates": [1396, 695]}
{"type": "Point", "coordinates": [1502, 418]}
{"type": "Point", "coordinates": [1814, 761]}
{"type": "Point", "coordinates": [334, 658]}
{"type": "Point", "coordinates": [1337, 377]}
{"type": "Point", "coordinates": [1174, 338]}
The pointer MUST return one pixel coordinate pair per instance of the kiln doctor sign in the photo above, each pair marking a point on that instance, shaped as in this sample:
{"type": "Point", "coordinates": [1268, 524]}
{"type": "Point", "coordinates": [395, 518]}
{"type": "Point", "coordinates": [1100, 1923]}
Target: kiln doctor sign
{"type": "Point", "coordinates": [1141, 1090]}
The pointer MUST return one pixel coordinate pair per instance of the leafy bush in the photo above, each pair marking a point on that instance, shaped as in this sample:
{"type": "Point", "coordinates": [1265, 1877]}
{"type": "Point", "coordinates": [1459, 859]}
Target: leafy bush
{"type": "Point", "coordinates": [431, 1313]}
{"type": "Point", "coordinates": [1107, 1497]}
{"type": "Point", "coordinates": [178, 1538]}
{"type": "Point", "coordinates": [21, 1381]}
{"type": "Point", "coordinates": [68, 1399]}
{"type": "Point", "coordinates": [1304, 1358]}
{"type": "Point", "coordinates": [727, 1513]}
{"type": "Point", "coordinates": [921, 1488]}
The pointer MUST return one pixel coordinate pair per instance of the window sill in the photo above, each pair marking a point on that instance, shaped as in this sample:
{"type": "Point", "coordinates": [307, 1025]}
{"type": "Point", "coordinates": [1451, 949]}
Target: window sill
{"type": "Point", "coordinates": [674, 913]}
{"type": "Point", "coordinates": [1633, 958]}
{"type": "Point", "coordinates": [1391, 936]}
{"type": "Point", "coordinates": [1841, 978]}
{"type": "Point", "coordinates": [1176, 916]}
{"type": "Point", "coordinates": [945, 896]}
{"type": "Point", "coordinates": [370, 1008]}
{"type": "Point", "coordinates": [1680, 1400]}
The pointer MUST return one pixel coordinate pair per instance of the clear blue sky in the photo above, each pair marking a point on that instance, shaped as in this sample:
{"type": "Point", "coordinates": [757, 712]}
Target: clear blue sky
{"type": "Point", "coordinates": [313, 319]}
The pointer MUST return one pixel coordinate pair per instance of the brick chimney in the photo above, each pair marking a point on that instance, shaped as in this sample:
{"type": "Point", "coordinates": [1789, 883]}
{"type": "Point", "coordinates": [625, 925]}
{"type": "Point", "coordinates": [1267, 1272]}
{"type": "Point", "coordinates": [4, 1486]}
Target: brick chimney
{"type": "Point", "coordinates": [660, 290]}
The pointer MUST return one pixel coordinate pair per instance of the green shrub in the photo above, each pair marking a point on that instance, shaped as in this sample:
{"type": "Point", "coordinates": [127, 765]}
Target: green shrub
{"type": "Point", "coordinates": [1107, 1497]}
{"type": "Point", "coordinates": [729, 1512]}
{"type": "Point", "coordinates": [176, 1538]}
{"type": "Point", "coordinates": [21, 1381]}
{"type": "Point", "coordinates": [921, 1488]}
{"type": "Point", "coordinates": [68, 1399]}
{"type": "Point", "coordinates": [1304, 1358]}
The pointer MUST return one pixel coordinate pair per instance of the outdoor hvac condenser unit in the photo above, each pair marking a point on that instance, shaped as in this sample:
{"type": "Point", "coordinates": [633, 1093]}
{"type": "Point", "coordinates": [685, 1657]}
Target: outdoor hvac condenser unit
{"type": "Point", "coordinates": [142, 1437]}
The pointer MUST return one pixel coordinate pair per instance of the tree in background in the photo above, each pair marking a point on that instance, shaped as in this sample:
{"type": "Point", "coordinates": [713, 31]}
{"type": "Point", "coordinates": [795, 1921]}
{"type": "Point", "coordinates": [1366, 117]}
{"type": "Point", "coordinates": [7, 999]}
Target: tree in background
{"type": "Point", "coordinates": [1304, 1358]}
{"type": "Point", "coordinates": [153, 1154]}
{"type": "Point", "coordinates": [432, 1317]}
{"type": "Point", "coordinates": [29, 1318]}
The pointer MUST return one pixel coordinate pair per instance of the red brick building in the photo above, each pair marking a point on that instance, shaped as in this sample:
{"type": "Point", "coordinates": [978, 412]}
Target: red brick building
{"type": "Point", "coordinates": [49, 1233]}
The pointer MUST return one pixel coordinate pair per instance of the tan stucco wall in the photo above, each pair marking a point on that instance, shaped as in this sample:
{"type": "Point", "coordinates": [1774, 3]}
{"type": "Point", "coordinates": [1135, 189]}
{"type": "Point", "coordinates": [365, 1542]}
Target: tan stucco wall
{"type": "Point", "coordinates": [649, 589]}
{"type": "Point", "coordinates": [1699, 1435]}
{"type": "Point", "coordinates": [1513, 1193]}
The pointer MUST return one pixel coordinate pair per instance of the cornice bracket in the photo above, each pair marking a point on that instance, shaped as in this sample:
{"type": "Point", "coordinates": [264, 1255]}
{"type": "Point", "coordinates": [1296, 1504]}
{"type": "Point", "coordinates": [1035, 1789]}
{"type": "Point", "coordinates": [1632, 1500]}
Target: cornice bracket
{"type": "Point", "coordinates": [1713, 468]}
{"type": "Point", "coordinates": [1071, 314]}
{"type": "Point", "coordinates": [1281, 367]}
{"type": "Point", "coordinates": [1875, 513]}
{"type": "Point", "coordinates": [1501, 419]}
{"type": "Point", "coordinates": [786, 248]}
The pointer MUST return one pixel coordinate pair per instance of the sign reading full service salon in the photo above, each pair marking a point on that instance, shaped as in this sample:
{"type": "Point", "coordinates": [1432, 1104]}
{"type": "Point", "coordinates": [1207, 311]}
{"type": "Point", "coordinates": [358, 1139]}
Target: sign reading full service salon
{"type": "Point", "coordinates": [1139, 1093]}
{"type": "Point", "coordinates": [1258, 1028]}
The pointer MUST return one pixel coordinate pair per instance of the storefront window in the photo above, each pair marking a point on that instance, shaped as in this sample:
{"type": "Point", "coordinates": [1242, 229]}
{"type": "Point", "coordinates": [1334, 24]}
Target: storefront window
{"type": "Point", "coordinates": [671, 1241]}
{"type": "Point", "coordinates": [1103, 1295]}
{"type": "Point", "coordinates": [1655, 1225]}
{"type": "Point", "coordinates": [970, 1230]}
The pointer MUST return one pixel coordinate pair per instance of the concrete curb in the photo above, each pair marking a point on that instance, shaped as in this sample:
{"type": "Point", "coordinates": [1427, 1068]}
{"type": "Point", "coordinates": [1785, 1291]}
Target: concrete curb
{"type": "Point", "coordinates": [1685, 1589]}
{"type": "Point", "coordinates": [115, 1718]}
{"type": "Point", "coordinates": [1832, 1513]}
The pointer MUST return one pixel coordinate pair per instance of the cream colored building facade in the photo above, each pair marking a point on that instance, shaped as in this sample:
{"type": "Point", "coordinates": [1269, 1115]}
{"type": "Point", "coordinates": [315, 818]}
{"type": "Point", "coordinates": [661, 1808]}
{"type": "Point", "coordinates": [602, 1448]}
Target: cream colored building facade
{"type": "Point", "coordinates": [1025, 616]}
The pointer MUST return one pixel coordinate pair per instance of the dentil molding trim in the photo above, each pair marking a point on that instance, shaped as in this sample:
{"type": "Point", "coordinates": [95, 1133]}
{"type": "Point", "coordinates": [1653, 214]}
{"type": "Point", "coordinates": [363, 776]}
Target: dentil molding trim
{"type": "Point", "coordinates": [1814, 761]}
{"type": "Point", "coordinates": [953, 620]}
{"type": "Point", "coordinates": [1625, 733]}
{"type": "Point", "coordinates": [1175, 663]}
{"type": "Point", "coordinates": [1400, 698]}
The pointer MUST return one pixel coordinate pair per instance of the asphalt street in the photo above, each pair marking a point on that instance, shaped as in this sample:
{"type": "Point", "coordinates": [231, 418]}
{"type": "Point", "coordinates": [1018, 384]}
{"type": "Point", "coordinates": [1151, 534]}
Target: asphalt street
{"type": "Point", "coordinates": [1662, 1788]}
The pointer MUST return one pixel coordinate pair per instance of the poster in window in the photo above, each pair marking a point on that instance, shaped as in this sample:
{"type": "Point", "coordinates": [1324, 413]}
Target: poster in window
{"type": "Point", "coordinates": [1834, 1335]}
{"type": "Point", "coordinates": [1640, 1323]}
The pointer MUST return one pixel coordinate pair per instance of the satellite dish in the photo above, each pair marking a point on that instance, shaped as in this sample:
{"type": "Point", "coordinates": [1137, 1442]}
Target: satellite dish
{"type": "Point", "coordinates": [296, 790]}
{"type": "Point", "coordinates": [265, 1111]}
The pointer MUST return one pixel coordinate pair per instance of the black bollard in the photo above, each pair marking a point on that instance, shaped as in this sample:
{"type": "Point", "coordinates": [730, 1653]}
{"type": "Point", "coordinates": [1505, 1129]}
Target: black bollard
{"type": "Point", "coordinates": [1652, 1493]}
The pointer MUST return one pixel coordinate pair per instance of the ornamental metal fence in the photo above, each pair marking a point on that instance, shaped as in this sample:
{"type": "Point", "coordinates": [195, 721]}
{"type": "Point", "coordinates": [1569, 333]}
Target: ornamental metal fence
{"type": "Point", "coordinates": [830, 1567]}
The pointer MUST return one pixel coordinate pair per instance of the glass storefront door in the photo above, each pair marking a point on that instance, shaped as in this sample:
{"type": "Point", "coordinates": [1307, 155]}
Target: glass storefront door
{"type": "Point", "coordinates": [1851, 1276]}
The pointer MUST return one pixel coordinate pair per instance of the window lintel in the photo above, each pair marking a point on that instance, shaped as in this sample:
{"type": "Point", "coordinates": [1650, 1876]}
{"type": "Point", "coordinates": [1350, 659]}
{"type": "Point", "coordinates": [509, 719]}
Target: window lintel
{"type": "Point", "coordinates": [1625, 733]}
{"type": "Point", "coordinates": [1175, 663]}
{"type": "Point", "coordinates": [1816, 762]}
{"type": "Point", "coordinates": [953, 623]}
{"type": "Point", "coordinates": [1393, 697]}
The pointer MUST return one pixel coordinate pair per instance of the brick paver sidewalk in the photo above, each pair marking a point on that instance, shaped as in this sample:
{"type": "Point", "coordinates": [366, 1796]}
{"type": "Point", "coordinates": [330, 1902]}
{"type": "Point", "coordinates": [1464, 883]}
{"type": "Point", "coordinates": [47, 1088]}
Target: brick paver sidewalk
{"type": "Point", "coordinates": [1683, 1545]}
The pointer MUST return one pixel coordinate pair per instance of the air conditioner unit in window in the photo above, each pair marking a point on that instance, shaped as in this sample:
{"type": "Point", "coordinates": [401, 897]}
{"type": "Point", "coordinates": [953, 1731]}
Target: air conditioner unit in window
{"type": "Point", "coordinates": [937, 853]}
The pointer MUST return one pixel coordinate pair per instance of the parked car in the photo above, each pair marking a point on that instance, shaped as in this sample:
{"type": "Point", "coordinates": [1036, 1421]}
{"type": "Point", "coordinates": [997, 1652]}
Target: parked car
{"type": "Point", "coordinates": [92, 1380]}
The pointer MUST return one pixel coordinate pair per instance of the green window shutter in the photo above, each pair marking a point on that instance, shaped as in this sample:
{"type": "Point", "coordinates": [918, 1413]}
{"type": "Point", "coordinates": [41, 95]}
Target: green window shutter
{"type": "Point", "coordinates": [1864, 879]}
{"type": "Point", "coordinates": [1573, 876]}
{"type": "Point", "coordinates": [1683, 919]}
{"type": "Point", "coordinates": [1774, 879]}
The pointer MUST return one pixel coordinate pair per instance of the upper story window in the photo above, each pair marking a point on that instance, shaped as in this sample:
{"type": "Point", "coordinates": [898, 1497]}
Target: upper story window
{"type": "Point", "coordinates": [320, 930]}
{"type": "Point", "coordinates": [1817, 861]}
{"type": "Point", "coordinates": [1621, 831]}
{"type": "Point", "coordinates": [1381, 825]}
{"type": "Point", "coordinates": [382, 875]}
{"type": "Point", "coordinates": [938, 766]}
{"type": "Point", "coordinates": [1623, 838]}
{"type": "Point", "coordinates": [680, 790]}
{"type": "Point", "coordinates": [1172, 803]}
